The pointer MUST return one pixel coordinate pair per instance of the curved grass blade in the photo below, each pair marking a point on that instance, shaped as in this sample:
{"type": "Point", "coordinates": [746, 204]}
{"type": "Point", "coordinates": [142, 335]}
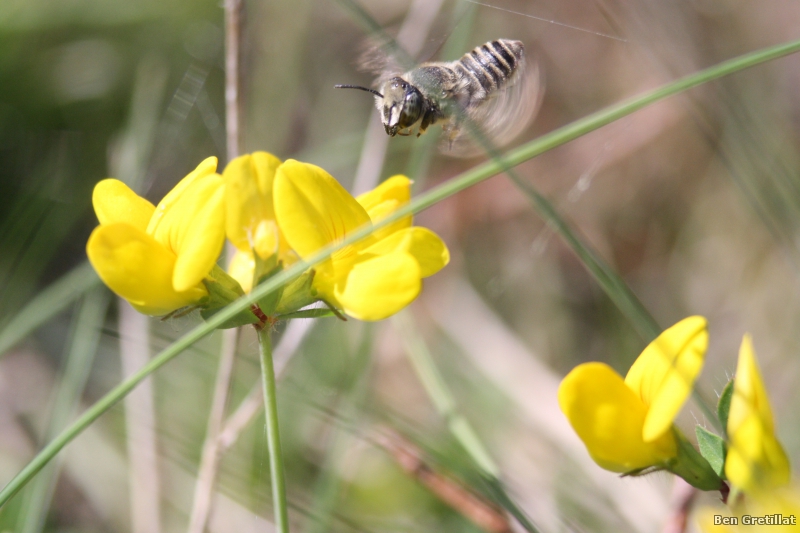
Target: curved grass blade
{"type": "Point", "coordinates": [467, 179]}
{"type": "Point", "coordinates": [47, 304]}
{"type": "Point", "coordinates": [611, 282]}
{"type": "Point", "coordinates": [458, 425]}
{"type": "Point", "coordinates": [84, 340]}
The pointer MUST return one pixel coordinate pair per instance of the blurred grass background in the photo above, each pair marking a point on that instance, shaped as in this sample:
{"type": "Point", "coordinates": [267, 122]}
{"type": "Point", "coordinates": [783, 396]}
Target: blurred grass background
{"type": "Point", "coordinates": [695, 201]}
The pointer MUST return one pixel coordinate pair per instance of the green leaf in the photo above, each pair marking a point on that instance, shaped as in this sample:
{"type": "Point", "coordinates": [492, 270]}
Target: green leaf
{"type": "Point", "coordinates": [724, 405]}
{"type": "Point", "coordinates": [712, 447]}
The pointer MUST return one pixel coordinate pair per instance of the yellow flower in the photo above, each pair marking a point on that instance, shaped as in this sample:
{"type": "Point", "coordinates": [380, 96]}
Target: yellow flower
{"type": "Point", "coordinates": [250, 216]}
{"type": "Point", "coordinates": [755, 461]}
{"type": "Point", "coordinates": [157, 257]}
{"type": "Point", "coordinates": [379, 275]}
{"type": "Point", "coordinates": [626, 425]}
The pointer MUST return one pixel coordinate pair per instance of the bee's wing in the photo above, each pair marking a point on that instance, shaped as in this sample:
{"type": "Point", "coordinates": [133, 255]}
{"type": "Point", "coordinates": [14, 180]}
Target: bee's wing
{"type": "Point", "coordinates": [374, 59]}
{"type": "Point", "coordinates": [503, 116]}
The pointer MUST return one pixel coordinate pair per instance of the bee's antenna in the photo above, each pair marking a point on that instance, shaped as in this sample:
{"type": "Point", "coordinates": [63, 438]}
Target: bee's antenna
{"type": "Point", "coordinates": [373, 91]}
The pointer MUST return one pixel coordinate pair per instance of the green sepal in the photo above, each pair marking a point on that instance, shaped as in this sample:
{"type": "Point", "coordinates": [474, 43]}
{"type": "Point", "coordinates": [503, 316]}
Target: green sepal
{"type": "Point", "coordinates": [724, 406]}
{"type": "Point", "coordinates": [297, 294]}
{"type": "Point", "coordinates": [222, 290]}
{"type": "Point", "coordinates": [692, 467]}
{"type": "Point", "coordinates": [265, 269]}
{"type": "Point", "coordinates": [317, 312]}
{"type": "Point", "coordinates": [712, 447]}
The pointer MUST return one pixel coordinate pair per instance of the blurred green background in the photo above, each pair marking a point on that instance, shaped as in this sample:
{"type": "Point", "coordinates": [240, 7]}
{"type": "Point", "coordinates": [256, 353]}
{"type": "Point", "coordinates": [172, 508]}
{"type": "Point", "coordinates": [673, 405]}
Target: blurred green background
{"type": "Point", "coordinates": [694, 201]}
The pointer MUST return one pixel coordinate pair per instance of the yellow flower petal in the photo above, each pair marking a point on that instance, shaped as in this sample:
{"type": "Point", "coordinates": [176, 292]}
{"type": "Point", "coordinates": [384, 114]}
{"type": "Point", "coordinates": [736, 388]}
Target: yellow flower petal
{"type": "Point", "coordinates": [241, 268]}
{"type": "Point", "coordinates": [385, 199]}
{"type": "Point", "coordinates": [206, 167]}
{"type": "Point", "coordinates": [608, 417]}
{"type": "Point", "coordinates": [664, 374]}
{"type": "Point", "coordinates": [380, 286]}
{"type": "Point", "coordinates": [755, 460]}
{"type": "Point", "coordinates": [749, 394]}
{"type": "Point", "coordinates": [396, 190]}
{"type": "Point", "coordinates": [266, 239]}
{"type": "Point", "coordinates": [138, 268]}
{"type": "Point", "coordinates": [114, 201]}
{"type": "Point", "coordinates": [427, 248]}
{"type": "Point", "coordinates": [312, 209]}
{"type": "Point", "coordinates": [200, 241]}
{"type": "Point", "coordinates": [194, 229]}
{"type": "Point", "coordinates": [248, 195]}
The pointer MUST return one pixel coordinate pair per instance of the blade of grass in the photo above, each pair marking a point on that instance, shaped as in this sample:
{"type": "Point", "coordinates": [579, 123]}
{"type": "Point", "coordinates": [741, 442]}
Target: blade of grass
{"type": "Point", "coordinates": [84, 339]}
{"type": "Point", "coordinates": [458, 425]}
{"type": "Point", "coordinates": [420, 357]}
{"type": "Point", "coordinates": [611, 282]}
{"type": "Point", "coordinates": [47, 304]}
{"type": "Point", "coordinates": [354, 392]}
{"type": "Point", "coordinates": [467, 179]}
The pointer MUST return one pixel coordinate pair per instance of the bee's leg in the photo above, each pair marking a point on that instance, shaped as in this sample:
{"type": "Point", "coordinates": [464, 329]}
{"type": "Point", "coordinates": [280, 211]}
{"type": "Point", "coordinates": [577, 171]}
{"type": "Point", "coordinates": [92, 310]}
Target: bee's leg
{"type": "Point", "coordinates": [431, 116]}
{"type": "Point", "coordinates": [426, 121]}
{"type": "Point", "coordinates": [406, 134]}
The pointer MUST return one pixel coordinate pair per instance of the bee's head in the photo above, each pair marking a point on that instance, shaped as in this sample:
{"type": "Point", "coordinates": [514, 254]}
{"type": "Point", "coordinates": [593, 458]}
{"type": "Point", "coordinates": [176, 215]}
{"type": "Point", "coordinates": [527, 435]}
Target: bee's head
{"type": "Point", "coordinates": [402, 105]}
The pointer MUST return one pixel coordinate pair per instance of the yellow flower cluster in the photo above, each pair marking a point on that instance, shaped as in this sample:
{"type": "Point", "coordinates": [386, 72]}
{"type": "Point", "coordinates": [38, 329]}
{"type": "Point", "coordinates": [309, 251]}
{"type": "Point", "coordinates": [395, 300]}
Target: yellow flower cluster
{"type": "Point", "coordinates": [160, 258]}
{"type": "Point", "coordinates": [627, 424]}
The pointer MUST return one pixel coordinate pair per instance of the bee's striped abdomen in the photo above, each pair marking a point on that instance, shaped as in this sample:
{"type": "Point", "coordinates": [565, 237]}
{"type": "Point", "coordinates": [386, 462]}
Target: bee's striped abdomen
{"type": "Point", "coordinates": [492, 64]}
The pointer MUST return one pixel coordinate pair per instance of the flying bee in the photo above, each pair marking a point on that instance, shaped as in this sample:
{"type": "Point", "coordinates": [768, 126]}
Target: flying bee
{"type": "Point", "coordinates": [490, 87]}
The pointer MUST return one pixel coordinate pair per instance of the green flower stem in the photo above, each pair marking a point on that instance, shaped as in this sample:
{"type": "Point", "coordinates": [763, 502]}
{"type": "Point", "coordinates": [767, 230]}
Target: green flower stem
{"type": "Point", "coordinates": [273, 434]}
{"type": "Point", "coordinates": [423, 201]}
{"type": "Point", "coordinates": [693, 467]}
